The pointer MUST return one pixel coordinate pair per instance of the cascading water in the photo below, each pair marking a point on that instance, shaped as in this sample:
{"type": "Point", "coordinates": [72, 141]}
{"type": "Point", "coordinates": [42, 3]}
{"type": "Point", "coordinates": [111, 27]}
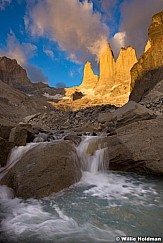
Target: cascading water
{"type": "Point", "coordinates": [15, 155]}
{"type": "Point", "coordinates": [91, 155]}
{"type": "Point", "coordinates": [102, 206]}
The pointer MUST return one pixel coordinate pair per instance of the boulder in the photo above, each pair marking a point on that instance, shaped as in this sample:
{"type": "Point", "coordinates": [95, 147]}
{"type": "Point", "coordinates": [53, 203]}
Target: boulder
{"type": "Point", "coordinates": [44, 169]}
{"type": "Point", "coordinates": [21, 134]}
{"type": "Point", "coordinates": [5, 148]}
{"type": "Point", "coordinates": [137, 147]}
{"type": "Point", "coordinates": [28, 118]}
{"type": "Point", "coordinates": [126, 114]}
{"type": "Point", "coordinates": [5, 128]}
{"type": "Point", "coordinates": [76, 139]}
{"type": "Point", "coordinates": [77, 95]}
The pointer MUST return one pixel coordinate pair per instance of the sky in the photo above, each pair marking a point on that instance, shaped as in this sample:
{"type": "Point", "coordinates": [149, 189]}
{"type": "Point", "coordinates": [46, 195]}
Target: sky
{"type": "Point", "coordinates": [53, 39]}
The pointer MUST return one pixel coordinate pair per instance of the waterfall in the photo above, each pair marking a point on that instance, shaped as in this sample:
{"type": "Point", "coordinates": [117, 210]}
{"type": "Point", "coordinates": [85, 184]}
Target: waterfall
{"type": "Point", "coordinates": [91, 154]}
{"type": "Point", "coordinates": [15, 155]}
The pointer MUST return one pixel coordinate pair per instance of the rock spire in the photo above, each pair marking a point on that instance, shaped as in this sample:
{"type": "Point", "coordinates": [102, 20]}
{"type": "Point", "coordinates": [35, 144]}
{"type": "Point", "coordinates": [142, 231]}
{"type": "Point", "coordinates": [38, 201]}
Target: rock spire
{"type": "Point", "coordinates": [89, 78]}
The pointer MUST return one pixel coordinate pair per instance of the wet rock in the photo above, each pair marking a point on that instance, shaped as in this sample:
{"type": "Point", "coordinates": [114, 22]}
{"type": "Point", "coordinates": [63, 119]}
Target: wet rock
{"type": "Point", "coordinates": [5, 128]}
{"type": "Point", "coordinates": [5, 148]}
{"type": "Point", "coordinates": [41, 137]}
{"type": "Point", "coordinates": [76, 139]}
{"type": "Point", "coordinates": [45, 169]}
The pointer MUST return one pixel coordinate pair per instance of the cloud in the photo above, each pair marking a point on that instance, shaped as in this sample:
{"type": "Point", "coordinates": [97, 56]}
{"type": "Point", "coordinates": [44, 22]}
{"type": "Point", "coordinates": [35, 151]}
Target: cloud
{"type": "Point", "coordinates": [60, 85]}
{"type": "Point", "coordinates": [49, 53]}
{"type": "Point", "coordinates": [71, 74]}
{"type": "Point", "coordinates": [72, 24]}
{"type": "Point", "coordinates": [16, 50]}
{"type": "Point", "coordinates": [117, 42]}
{"type": "Point", "coordinates": [4, 3]}
{"type": "Point", "coordinates": [136, 18]}
{"type": "Point", "coordinates": [22, 52]}
{"type": "Point", "coordinates": [107, 7]}
{"type": "Point", "coordinates": [36, 74]}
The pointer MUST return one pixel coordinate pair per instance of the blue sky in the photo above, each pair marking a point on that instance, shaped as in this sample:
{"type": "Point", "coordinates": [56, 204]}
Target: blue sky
{"type": "Point", "coordinates": [53, 39]}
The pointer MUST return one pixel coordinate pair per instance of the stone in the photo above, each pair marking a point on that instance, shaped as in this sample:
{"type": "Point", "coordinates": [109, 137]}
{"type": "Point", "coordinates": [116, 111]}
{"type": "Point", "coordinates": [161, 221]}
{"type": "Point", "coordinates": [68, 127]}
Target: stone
{"type": "Point", "coordinates": [43, 170]}
{"type": "Point", "coordinates": [129, 113]}
{"type": "Point", "coordinates": [5, 128]}
{"type": "Point", "coordinates": [28, 118]}
{"type": "Point", "coordinates": [154, 99]}
{"type": "Point", "coordinates": [5, 148]}
{"type": "Point", "coordinates": [73, 138]}
{"type": "Point", "coordinates": [77, 95]}
{"type": "Point", "coordinates": [148, 71]}
{"type": "Point", "coordinates": [21, 134]}
{"type": "Point", "coordinates": [137, 147]}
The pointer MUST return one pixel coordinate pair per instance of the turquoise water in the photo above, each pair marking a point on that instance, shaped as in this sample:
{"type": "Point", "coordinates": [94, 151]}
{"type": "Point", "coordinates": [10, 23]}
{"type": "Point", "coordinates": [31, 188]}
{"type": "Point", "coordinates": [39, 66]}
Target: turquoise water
{"type": "Point", "coordinates": [99, 208]}
{"type": "Point", "coordinates": [102, 206]}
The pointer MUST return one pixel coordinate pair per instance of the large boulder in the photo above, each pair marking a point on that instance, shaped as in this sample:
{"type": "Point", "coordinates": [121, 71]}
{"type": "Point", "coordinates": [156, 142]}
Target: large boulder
{"type": "Point", "coordinates": [137, 147]}
{"type": "Point", "coordinates": [21, 134]}
{"type": "Point", "coordinates": [77, 95]}
{"type": "Point", "coordinates": [128, 113]}
{"type": "Point", "coordinates": [5, 128]}
{"type": "Point", "coordinates": [5, 148]}
{"type": "Point", "coordinates": [44, 169]}
{"type": "Point", "coordinates": [148, 71]}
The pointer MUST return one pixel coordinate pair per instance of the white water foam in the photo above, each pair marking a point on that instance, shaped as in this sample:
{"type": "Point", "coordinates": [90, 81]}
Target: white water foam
{"type": "Point", "coordinates": [15, 155]}
{"type": "Point", "coordinates": [107, 185]}
{"type": "Point", "coordinates": [31, 220]}
{"type": "Point", "coordinates": [91, 162]}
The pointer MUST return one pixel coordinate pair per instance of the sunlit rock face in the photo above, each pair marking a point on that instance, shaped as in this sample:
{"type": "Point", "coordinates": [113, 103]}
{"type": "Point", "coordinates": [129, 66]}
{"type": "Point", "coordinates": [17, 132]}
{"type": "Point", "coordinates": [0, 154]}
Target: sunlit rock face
{"type": "Point", "coordinates": [114, 81]}
{"type": "Point", "coordinates": [148, 45]}
{"type": "Point", "coordinates": [126, 60]}
{"type": "Point", "coordinates": [107, 68]}
{"type": "Point", "coordinates": [111, 87]}
{"type": "Point", "coordinates": [148, 71]}
{"type": "Point", "coordinates": [90, 80]}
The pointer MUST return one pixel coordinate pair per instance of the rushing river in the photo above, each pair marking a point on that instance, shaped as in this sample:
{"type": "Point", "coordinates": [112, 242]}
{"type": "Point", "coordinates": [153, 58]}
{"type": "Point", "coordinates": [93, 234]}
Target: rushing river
{"type": "Point", "coordinates": [102, 206]}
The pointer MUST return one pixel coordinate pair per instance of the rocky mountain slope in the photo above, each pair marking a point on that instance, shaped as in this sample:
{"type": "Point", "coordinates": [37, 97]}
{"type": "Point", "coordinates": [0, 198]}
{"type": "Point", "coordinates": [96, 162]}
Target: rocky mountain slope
{"type": "Point", "coordinates": [15, 76]}
{"type": "Point", "coordinates": [20, 97]}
